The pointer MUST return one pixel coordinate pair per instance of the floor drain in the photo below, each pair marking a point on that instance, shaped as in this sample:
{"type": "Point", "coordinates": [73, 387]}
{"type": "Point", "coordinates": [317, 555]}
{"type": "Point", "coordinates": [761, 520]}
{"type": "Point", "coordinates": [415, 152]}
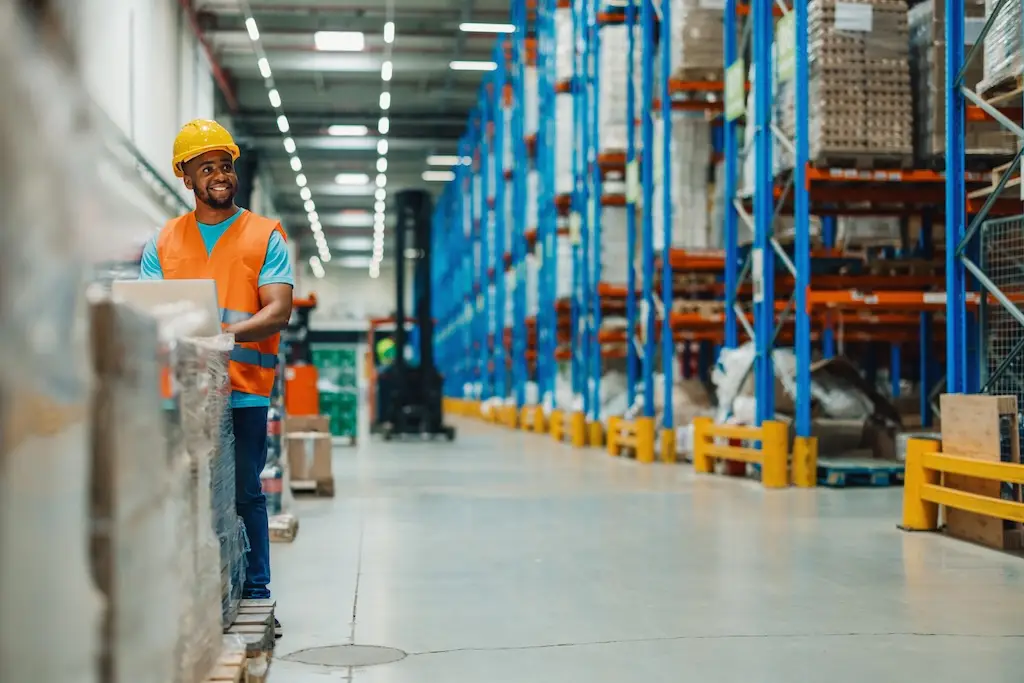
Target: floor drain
{"type": "Point", "coordinates": [347, 655]}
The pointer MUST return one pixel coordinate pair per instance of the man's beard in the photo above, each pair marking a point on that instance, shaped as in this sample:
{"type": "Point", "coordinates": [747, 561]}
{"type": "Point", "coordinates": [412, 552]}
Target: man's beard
{"type": "Point", "coordinates": [225, 203]}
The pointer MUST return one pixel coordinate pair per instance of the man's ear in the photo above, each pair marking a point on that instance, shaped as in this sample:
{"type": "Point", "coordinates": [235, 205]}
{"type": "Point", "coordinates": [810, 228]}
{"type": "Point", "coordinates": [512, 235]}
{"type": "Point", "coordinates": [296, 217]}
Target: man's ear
{"type": "Point", "coordinates": [188, 182]}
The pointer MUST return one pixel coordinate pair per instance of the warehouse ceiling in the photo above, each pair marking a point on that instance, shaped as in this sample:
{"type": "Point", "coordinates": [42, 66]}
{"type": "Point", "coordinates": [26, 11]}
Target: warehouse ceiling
{"type": "Point", "coordinates": [429, 101]}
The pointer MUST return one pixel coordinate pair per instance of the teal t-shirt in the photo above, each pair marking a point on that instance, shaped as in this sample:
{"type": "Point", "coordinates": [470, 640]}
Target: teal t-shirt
{"type": "Point", "coordinates": [277, 269]}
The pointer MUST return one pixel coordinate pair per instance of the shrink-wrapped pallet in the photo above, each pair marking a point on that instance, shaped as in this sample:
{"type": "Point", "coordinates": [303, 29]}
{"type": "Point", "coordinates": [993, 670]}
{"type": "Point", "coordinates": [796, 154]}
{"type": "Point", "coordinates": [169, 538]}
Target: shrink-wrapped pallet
{"type": "Point", "coordinates": [859, 90]}
{"type": "Point", "coordinates": [928, 77]}
{"type": "Point", "coordinates": [613, 62]}
{"type": "Point", "coordinates": [1002, 49]}
{"type": "Point", "coordinates": [565, 267]}
{"type": "Point", "coordinates": [614, 245]}
{"type": "Point", "coordinates": [565, 143]}
{"type": "Point", "coordinates": [689, 156]}
{"type": "Point", "coordinates": [565, 47]}
{"type": "Point", "coordinates": [531, 116]}
{"type": "Point", "coordinates": [696, 37]}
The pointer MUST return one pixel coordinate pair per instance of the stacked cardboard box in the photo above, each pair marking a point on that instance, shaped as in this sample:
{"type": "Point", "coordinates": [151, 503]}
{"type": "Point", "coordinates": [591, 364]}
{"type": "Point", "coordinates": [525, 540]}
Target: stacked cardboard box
{"type": "Point", "coordinates": [613, 91]}
{"type": "Point", "coordinates": [1002, 49]}
{"type": "Point", "coordinates": [689, 157]}
{"type": "Point", "coordinates": [614, 245]}
{"type": "Point", "coordinates": [860, 101]}
{"type": "Point", "coordinates": [928, 76]}
{"type": "Point", "coordinates": [696, 40]}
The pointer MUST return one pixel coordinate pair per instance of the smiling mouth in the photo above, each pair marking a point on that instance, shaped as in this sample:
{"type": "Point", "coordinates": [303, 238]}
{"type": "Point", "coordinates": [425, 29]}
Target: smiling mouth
{"type": "Point", "coordinates": [220, 188]}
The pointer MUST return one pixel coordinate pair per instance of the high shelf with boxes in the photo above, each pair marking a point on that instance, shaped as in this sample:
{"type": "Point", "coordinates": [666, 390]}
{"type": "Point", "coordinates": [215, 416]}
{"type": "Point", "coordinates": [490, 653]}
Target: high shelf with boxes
{"type": "Point", "coordinates": [830, 131]}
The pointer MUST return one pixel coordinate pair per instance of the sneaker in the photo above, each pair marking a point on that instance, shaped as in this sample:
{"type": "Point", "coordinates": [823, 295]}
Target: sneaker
{"type": "Point", "coordinates": [278, 631]}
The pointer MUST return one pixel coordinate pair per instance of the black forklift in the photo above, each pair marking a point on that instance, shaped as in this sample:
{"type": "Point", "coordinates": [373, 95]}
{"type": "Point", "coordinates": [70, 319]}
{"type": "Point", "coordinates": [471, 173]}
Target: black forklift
{"type": "Point", "coordinates": [409, 390]}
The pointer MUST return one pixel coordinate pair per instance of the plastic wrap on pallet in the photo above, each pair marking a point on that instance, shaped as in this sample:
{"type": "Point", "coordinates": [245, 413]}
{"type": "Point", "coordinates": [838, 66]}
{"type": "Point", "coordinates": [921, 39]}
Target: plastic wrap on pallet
{"type": "Point", "coordinates": [613, 71]}
{"type": "Point", "coordinates": [213, 575]}
{"type": "Point", "coordinates": [532, 192]}
{"type": "Point", "coordinates": [531, 117]}
{"type": "Point", "coordinates": [565, 143]}
{"type": "Point", "coordinates": [614, 245]}
{"type": "Point", "coordinates": [928, 80]}
{"type": "Point", "coordinates": [564, 273]}
{"type": "Point", "coordinates": [131, 503]}
{"type": "Point", "coordinates": [696, 37]}
{"type": "Point", "coordinates": [532, 285]}
{"type": "Point", "coordinates": [565, 48]}
{"type": "Point", "coordinates": [867, 231]}
{"type": "Point", "coordinates": [1002, 46]}
{"type": "Point", "coordinates": [689, 157]}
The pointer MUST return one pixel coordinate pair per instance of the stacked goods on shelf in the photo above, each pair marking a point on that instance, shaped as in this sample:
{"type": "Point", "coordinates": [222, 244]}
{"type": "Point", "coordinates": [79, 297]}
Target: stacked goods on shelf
{"type": "Point", "coordinates": [613, 89]}
{"type": "Point", "coordinates": [860, 101]}
{"type": "Point", "coordinates": [928, 76]}
{"type": "Point", "coordinates": [689, 157]}
{"type": "Point", "coordinates": [339, 388]}
{"type": "Point", "coordinates": [614, 244]}
{"type": "Point", "coordinates": [565, 267]}
{"type": "Point", "coordinates": [696, 38]}
{"type": "Point", "coordinates": [1002, 50]}
{"type": "Point", "coordinates": [565, 50]}
{"type": "Point", "coordinates": [532, 285]}
{"type": "Point", "coordinates": [565, 143]}
{"type": "Point", "coordinates": [871, 231]}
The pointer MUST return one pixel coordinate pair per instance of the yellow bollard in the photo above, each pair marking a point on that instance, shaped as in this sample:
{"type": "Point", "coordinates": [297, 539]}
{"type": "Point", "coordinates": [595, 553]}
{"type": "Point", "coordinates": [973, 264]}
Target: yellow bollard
{"type": "Point", "coordinates": [614, 424]}
{"type": "Point", "coordinates": [668, 445]}
{"type": "Point", "coordinates": [644, 439]}
{"type": "Point", "coordinates": [805, 462]}
{"type": "Point", "coordinates": [775, 454]}
{"type": "Point", "coordinates": [524, 417]}
{"type": "Point", "coordinates": [702, 462]}
{"type": "Point", "coordinates": [595, 434]}
{"type": "Point", "coordinates": [538, 420]}
{"type": "Point", "coordinates": [918, 513]}
{"type": "Point", "coordinates": [578, 430]}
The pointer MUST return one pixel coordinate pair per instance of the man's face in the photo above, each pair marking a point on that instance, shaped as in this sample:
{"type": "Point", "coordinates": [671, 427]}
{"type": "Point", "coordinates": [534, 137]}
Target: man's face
{"type": "Point", "coordinates": [212, 178]}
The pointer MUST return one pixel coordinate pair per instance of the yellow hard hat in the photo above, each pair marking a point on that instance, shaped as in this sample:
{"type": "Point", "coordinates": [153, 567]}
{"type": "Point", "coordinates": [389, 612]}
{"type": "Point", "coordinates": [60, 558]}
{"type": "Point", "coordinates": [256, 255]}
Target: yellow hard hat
{"type": "Point", "coordinates": [199, 137]}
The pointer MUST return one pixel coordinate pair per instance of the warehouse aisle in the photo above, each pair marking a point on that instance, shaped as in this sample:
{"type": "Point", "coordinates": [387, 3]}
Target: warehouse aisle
{"type": "Point", "coordinates": [507, 558]}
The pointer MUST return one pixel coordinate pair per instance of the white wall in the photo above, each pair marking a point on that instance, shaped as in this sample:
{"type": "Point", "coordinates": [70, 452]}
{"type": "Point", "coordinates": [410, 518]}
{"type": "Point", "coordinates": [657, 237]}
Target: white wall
{"type": "Point", "coordinates": [349, 296]}
{"type": "Point", "coordinates": [144, 67]}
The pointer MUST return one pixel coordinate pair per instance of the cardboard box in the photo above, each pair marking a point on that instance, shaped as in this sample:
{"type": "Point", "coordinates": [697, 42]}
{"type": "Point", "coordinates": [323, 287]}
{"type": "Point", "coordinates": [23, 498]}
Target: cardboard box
{"type": "Point", "coordinates": [309, 456]}
{"type": "Point", "coordinates": [984, 428]}
{"type": "Point", "coordinates": [308, 423]}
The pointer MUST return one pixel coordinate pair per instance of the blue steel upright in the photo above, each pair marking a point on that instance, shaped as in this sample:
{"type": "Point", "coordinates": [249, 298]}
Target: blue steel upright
{"type": "Point", "coordinates": [631, 206]}
{"type": "Point", "coordinates": [764, 281]}
{"type": "Point", "coordinates": [519, 171]}
{"type": "Point", "coordinates": [730, 223]}
{"type": "Point", "coordinates": [647, 144]}
{"type": "Point", "coordinates": [667, 341]}
{"type": "Point", "coordinates": [956, 201]}
{"type": "Point", "coordinates": [498, 180]}
{"type": "Point", "coordinates": [594, 211]}
{"type": "Point", "coordinates": [802, 255]}
{"type": "Point", "coordinates": [548, 221]}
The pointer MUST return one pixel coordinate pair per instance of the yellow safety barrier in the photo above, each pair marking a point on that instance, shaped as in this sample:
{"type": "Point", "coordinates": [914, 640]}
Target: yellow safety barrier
{"type": "Point", "coordinates": [595, 434]}
{"type": "Point", "coordinates": [578, 430]}
{"type": "Point", "coordinates": [509, 416]}
{"type": "Point", "coordinates": [556, 425]}
{"type": "Point", "coordinates": [772, 456]}
{"type": "Point", "coordinates": [636, 435]}
{"type": "Point", "coordinates": [923, 491]}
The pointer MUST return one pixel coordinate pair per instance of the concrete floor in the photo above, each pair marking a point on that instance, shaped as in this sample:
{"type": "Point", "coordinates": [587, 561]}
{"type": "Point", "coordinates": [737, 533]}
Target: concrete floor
{"type": "Point", "coordinates": [506, 558]}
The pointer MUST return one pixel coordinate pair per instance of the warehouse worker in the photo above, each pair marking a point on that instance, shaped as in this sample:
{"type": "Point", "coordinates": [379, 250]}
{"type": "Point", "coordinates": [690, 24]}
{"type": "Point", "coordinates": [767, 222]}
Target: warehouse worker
{"type": "Point", "coordinates": [247, 256]}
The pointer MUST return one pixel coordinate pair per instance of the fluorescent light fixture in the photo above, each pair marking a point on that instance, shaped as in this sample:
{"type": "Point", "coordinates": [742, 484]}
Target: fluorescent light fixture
{"type": "Point", "coordinates": [385, 70]}
{"type": "Point", "coordinates": [300, 180]}
{"type": "Point", "coordinates": [339, 41]}
{"type": "Point", "coordinates": [378, 207]}
{"type": "Point", "coordinates": [447, 160]}
{"type": "Point", "coordinates": [438, 176]}
{"type": "Point", "coordinates": [382, 147]}
{"type": "Point", "coordinates": [296, 164]}
{"type": "Point", "coordinates": [382, 165]}
{"type": "Point", "coordinates": [378, 217]}
{"type": "Point", "coordinates": [275, 98]}
{"type": "Point", "coordinates": [385, 100]}
{"type": "Point", "coordinates": [382, 180]}
{"type": "Point", "coordinates": [374, 273]}
{"type": "Point", "coordinates": [384, 125]}
{"type": "Point", "coordinates": [378, 239]}
{"type": "Point", "coordinates": [326, 257]}
{"type": "Point", "coordinates": [250, 26]}
{"type": "Point", "coordinates": [412, 253]}
{"type": "Point", "coordinates": [313, 217]}
{"type": "Point", "coordinates": [309, 205]}
{"type": "Point", "coordinates": [389, 32]}
{"type": "Point", "coordinates": [305, 194]}
{"type": "Point", "coordinates": [320, 239]}
{"type": "Point", "coordinates": [314, 262]}
{"type": "Point", "coordinates": [380, 194]}
{"type": "Point", "coordinates": [316, 227]}
{"type": "Point", "coordinates": [352, 179]}
{"type": "Point", "coordinates": [264, 66]}
{"type": "Point", "coordinates": [462, 65]}
{"type": "Point", "coordinates": [343, 130]}
{"type": "Point", "coordinates": [282, 123]}
{"type": "Point", "coordinates": [473, 27]}
{"type": "Point", "coordinates": [289, 145]}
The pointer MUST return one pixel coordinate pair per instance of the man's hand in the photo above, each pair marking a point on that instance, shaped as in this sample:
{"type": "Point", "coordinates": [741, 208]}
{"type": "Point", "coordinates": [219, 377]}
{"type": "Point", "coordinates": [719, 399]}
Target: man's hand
{"type": "Point", "coordinates": [275, 311]}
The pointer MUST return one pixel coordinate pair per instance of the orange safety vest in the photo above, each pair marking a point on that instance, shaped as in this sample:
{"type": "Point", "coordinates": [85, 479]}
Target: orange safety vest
{"type": "Point", "coordinates": [234, 264]}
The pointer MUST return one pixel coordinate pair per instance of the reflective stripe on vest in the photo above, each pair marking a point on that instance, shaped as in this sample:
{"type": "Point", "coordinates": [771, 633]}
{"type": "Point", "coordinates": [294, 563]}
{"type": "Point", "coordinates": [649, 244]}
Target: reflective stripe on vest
{"type": "Point", "coordinates": [241, 354]}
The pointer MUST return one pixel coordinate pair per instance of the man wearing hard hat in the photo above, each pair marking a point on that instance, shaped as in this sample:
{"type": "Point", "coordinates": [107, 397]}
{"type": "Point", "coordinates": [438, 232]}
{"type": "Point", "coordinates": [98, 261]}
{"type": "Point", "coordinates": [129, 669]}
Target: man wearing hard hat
{"type": "Point", "coordinates": [247, 257]}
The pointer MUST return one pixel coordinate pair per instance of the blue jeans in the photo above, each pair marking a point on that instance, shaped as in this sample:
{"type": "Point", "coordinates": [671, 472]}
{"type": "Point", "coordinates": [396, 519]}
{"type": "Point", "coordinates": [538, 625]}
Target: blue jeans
{"type": "Point", "coordinates": [250, 457]}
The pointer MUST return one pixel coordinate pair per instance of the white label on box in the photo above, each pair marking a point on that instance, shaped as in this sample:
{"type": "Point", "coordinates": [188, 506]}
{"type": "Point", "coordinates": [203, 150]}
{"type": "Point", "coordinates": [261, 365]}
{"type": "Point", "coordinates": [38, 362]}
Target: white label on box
{"type": "Point", "coordinates": [757, 273]}
{"type": "Point", "coordinates": [853, 16]}
{"type": "Point", "coordinates": [972, 29]}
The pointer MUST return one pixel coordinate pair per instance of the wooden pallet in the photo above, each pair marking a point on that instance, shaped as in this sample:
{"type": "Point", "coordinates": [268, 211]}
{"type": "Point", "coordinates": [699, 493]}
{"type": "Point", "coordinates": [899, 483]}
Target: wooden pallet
{"type": "Point", "coordinates": [697, 75]}
{"type": "Point", "coordinates": [977, 161]}
{"type": "Point", "coordinates": [230, 668]}
{"type": "Point", "coordinates": [1007, 89]}
{"type": "Point", "coordinates": [848, 472]}
{"type": "Point", "coordinates": [255, 625]}
{"type": "Point", "coordinates": [864, 161]}
{"type": "Point", "coordinates": [322, 488]}
{"type": "Point", "coordinates": [283, 528]}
